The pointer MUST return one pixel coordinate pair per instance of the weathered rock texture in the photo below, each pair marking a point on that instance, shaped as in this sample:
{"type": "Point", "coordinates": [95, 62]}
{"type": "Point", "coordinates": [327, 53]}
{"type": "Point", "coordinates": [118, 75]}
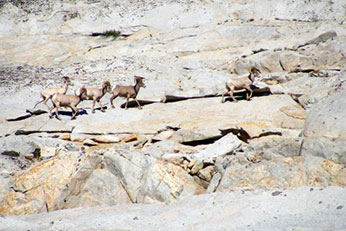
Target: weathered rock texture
{"type": "Point", "coordinates": [277, 209]}
{"type": "Point", "coordinates": [184, 142]}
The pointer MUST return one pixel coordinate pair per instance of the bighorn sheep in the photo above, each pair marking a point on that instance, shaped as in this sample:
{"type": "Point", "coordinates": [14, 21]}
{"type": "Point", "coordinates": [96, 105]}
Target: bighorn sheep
{"type": "Point", "coordinates": [239, 83]}
{"type": "Point", "coordinates": [48, 93]}
{"type": "Point", "coordinates": [95, 94]}
{"type": "Point", "coordinates": [71, 101]}
{"type": "Point", "coordinates": [128, 91]}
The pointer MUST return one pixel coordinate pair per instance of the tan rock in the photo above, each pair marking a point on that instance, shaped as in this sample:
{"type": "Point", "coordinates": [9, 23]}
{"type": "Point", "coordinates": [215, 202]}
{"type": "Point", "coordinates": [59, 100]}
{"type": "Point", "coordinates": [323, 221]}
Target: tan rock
{"type": "Point", "coordinates": [106, 139]}
{"type": "Point", "coordinates": [341, 178]}
{"type": "Point", "coordinates": [282, 172]}
{"type": "Point", "coordinates": [75, 137]}
{"type": "Point", "coordinates": [100, 189]}
{"type": "Point", "coordinates": [164, 135]}
{"type": "Point", "coordinates": [206, 173]}
{"type": "Point", "coordinates": [192, 163]}
{"type": "Point", "coordinates": [90, 142]}
{"type": "Point", "coordinates": [130, 138]}
{"type": "Point", "coordinates": [65, 136]}
{"type": "Point", "coordinates": [46, 185]}
{"type": "Point", "coordinates": [201, 182]}
{"type": "Point", "coordinates": [196, 167]}
{"type": "Point", "coordinates": [168, 182]}
{"type": "Point", "coordinates": [47, 151]}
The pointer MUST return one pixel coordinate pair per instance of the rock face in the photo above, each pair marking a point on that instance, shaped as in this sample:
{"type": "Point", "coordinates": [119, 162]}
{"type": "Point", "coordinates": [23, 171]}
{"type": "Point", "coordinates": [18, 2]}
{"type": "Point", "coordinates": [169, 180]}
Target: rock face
{"type": "Point", "coordinates": [325, 128]}
{"type": "Point", "coordinates": [184, 142]}
{"type": "Point", "coordinates": [282, 172]}
{"type": "Point", "coordinates": [45, 186]}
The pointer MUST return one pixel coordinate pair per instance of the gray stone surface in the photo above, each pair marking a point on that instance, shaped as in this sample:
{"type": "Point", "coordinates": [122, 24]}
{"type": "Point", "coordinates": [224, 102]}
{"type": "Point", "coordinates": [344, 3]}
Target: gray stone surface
{"type": "Point", "coordinates": [275, 209]}
{"type": "Point", "coordinates": [325, 128]}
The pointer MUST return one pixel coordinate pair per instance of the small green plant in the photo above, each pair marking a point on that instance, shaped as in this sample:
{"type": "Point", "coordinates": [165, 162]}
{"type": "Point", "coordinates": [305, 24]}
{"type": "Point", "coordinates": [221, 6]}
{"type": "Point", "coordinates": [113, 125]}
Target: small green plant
{"type": "Point", "coordinates": [108, 33]}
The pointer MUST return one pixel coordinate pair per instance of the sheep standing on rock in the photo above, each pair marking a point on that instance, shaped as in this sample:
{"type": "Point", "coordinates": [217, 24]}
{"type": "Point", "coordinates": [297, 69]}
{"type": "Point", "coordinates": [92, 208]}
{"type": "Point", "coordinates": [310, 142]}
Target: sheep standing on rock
{"type": "Point", "coordinates": [71, 101]}
{"type": "Point", "coordinates": [95, 94]}
{"type": "Point", "coordinates": [240, 83]}
{"type": "Point", "coordinates": [128, 91]}
{"type": "Point", "coordinates": [48, 93]}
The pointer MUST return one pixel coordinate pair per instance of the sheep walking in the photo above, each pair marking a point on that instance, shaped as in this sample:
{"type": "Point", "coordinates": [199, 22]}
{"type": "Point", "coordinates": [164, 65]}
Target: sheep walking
{"type": "Point", "coordinates": [240, 83]}
{"type": "Point", "coordinates": [128, 91]}
{"type": "Point", "coordinates": [95, 94]}
{"type": "Point", "coordinates": [71, 101]}
{"type": "Point", "coordinates": [47, 94]}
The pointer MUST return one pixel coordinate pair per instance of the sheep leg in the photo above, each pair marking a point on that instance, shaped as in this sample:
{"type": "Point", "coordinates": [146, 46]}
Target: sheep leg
{"type": "Point", "coordinates": [57, 112]}
{"type": "Point", "coordinates": [40, 101]}
{"type": "Point", "coordinates": [231, 94]}
{"type": "Point", "coordinates": [50, 112]}
{"type": "Point", "coordinates": [99, 102]}
{"type": "Point", "coordinates": [139, 106]}
{"type": "Point", "coordinates": [45, 101]}
{"type": "Point", "coordinates": [250, 90]}
{"type": "Point", "coordinates": [127, 101]}
{"type": "Point", "coordinates": [74, 112]}
{"type": "Point", "coordinates": [112, 98]}
{"type": "Point", "coordinates": [223, 95]}
{"type": "Point", "coordinates": [93, 106]}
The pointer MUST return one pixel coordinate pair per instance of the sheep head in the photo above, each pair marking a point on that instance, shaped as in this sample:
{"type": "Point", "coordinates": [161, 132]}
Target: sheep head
{"type": "Point", "coordinates": [254, 70]}
{"type": "Point", "coordinates": [83, 93]}
{"type": "Point", "coordinates": [67, 80]}
{"type": "Point", "coordinates": [107, 85]}
{"type": "Point", "coordinates": [139, 80]}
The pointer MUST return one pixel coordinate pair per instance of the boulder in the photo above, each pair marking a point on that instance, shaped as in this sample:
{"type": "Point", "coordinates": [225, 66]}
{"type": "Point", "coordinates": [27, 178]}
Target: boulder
{"type": "Point", "coordinates": [48, 185]}
{"type": "Point", "coordinates": [167, 183]}
{"type": "Point", "coordinates": [275, 144]}
{"type": "Point", "coordinates": [148, 180]}
{"type": "Point", "coordinates": [225, 145]}
{"type": "Point", "coordinates": [101, 188]}
{"type": "Point", "coordinates": [17, 146]}
{"type": "Point", "coordinates": [130, 168]}
{"type": "Point", "coordinates": [325, 128]}
{"type": "Point", "coordinates": [106, 139]}
{"type": "Point", "coordinates": [282, 172]}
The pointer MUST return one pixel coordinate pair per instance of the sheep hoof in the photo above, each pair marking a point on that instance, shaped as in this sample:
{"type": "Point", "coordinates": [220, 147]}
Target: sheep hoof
{"type": "Point", "coordinates": [113, 106]}
{"type": "Point", "coordinates": [92, 111]}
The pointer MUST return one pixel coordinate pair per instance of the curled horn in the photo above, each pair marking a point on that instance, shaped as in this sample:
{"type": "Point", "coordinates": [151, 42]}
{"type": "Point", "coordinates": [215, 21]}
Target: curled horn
{"type": "Point", "coordinates": [82, 92]}
{"type": "Point", "coordinates": [106, 83]}
{"type": "Point", "coordinates": [253, 69]}
{"type": "Point", "coordinates": [66, 78]}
